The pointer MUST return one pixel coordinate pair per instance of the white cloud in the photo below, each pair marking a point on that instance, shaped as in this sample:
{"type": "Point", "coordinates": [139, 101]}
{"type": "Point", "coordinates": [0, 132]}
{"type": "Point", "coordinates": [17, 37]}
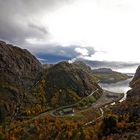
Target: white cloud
{"type": "Point", "coordinates": [108, 25]}
{"type": "Point", "coordinates": [81, 51]}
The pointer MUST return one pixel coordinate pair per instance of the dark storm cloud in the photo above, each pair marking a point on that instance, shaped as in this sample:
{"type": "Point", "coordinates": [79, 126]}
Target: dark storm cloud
{"type": "Point", "coordinates": [39, 28]}
{"type": "Point", "coordinates": [16, 17]}
{"type": "Point", "coordinates": [61, 50]}
{"type": "Point", "coordinates": [59, 53]}
{"type": "Point", "coordinates": [15, 32]}
{"type": "Point", "coordinates": [20, 24]}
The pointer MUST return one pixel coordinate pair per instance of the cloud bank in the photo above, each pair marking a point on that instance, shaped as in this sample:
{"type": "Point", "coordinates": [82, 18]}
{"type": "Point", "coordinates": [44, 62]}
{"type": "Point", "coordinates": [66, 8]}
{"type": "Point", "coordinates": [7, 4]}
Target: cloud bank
{"type": "Point", "coordinates": [20, 19]}
{"type": "Point", "coordinates": [105, 30]}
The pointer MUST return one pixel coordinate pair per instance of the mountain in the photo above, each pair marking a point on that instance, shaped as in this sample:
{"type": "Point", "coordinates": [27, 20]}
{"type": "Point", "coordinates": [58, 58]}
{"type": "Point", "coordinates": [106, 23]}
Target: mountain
{"type": "Point", "coordinates": [60, 85]}
{"type": "Point", "coordinates": [135, 85]}
{"type": "Point", "coordinates": [27, 87]}
{"type": "Point", "coordinates": [67, 83]}
{"type": "Point", "coordinates": [19, 69]}
{"type": "Point", "coordinates": [107, 75]}
{"type": "Point", "coordinates": [124, 120]}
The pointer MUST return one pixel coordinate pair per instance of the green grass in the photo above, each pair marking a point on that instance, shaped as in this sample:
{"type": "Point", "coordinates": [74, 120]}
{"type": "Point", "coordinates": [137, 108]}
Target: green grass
{"type": "Point", "coordinates": [87, 101]}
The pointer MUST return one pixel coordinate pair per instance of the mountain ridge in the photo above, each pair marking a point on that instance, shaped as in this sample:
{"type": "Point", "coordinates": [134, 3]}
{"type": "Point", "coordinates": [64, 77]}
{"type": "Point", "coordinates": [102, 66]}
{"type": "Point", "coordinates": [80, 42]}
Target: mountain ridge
{"type": "Point", "coordinates": [31, 88]}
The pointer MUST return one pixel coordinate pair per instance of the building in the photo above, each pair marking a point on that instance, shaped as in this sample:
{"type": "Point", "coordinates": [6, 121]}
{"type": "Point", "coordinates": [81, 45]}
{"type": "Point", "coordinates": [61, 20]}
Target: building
{"type": "Point", "coordinates": [68, 110]}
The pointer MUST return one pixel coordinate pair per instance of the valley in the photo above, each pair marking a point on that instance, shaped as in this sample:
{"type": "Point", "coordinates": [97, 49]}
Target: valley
{"type": "Point", "coordinates": [64, 100]}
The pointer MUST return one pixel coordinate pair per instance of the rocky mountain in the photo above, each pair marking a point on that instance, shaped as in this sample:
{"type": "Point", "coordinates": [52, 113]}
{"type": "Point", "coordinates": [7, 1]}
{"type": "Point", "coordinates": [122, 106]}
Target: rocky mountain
{"type": "Point", "coordinates": [67, 83]}
{"type": "Point", "coordinates": [18, 66]}
{"type": "Point", "coordinates": [27, 87]}
{"type": "Point", "coordinates": [107, 75]}
{"type": "Point", "coordinates": [136, 80]}
{"type": "Point", "coordinates": [19, 70]}
{"type": "Point", "coordinates": [124, 121]}
{"type": "Point", "coordinates": [135, 85]}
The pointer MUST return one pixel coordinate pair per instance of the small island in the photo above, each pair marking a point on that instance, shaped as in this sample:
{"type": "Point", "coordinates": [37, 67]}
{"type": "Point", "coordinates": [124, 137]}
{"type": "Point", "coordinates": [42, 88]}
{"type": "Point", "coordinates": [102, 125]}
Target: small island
{"type": "Point", "coordinates": [107, 75]}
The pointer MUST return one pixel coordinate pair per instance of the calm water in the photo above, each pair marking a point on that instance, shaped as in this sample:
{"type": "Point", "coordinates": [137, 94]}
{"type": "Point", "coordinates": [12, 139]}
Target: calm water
{"type": "Point", "coordinates": [119, 87]}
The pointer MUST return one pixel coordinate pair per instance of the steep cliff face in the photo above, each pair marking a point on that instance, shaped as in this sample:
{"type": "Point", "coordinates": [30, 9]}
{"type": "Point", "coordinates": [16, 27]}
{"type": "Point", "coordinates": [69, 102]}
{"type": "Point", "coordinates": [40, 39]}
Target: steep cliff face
{"type": "Point", "coordinates": [124, 120]}
{"type": "Point", "coordinates": [19, 69]}
{"type": "Point", "coordinates": [18, 66]}
{"type": "Point", "coordinates": [135, 85]}
{"type": "Point", "coordinates": [132, 103]}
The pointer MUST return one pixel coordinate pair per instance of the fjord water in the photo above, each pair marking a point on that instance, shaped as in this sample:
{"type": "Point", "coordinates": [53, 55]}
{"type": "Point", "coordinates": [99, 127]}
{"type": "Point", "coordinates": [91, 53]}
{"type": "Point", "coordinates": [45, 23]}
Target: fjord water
{"type": "Point", "coordinates": [119, 87]}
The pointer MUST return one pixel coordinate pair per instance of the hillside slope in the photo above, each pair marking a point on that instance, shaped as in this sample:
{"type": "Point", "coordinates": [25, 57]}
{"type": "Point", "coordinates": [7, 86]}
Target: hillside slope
{"type": "Point", "coordinates": [28, 88]}
{"type": "Point", "coordinates": [107, 75]}
{"type": "Point", "coordinates": [67, 83]}
{"type": "Point", "coordinates": [19, 69]}
{"type": "Point", "coordinates": [125, 116]}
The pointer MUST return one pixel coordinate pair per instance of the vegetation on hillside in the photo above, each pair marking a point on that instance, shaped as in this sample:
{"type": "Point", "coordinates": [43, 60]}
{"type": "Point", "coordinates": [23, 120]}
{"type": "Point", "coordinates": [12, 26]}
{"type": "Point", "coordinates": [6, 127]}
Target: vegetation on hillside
{"type": "Point", "coordinates": [25, 108]}
{"type": "Point", "coordinates": [105, 75]}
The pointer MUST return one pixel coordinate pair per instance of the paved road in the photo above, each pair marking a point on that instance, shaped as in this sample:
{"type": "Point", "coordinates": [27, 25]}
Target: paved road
{"type": "Point", "coordinates": [62, 107]}
{"type": "Point", "coordinates": [93, 121]}
{"type": "Point", "coordinates": [108, 97]}
{"type": "Point", "coordinates": [99, 104]}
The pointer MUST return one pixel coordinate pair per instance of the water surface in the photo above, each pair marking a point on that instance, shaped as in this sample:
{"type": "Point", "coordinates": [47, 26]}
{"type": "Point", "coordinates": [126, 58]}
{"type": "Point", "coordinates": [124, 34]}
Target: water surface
{"type": "Point", "coordinates": [119, 87]}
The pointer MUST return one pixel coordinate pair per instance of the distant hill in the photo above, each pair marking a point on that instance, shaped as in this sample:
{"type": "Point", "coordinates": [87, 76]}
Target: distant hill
{"type": "Point", "coordinates": [107, 75]}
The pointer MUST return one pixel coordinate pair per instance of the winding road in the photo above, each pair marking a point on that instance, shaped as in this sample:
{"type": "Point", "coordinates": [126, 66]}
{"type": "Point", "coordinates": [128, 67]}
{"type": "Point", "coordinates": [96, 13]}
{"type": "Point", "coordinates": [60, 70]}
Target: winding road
{"type": "Point", "coordinates": [93, 121]}
{"type": "Point", "coordinates": [62, 107]}
{"type": "Point", "coordinates": [101, 102]}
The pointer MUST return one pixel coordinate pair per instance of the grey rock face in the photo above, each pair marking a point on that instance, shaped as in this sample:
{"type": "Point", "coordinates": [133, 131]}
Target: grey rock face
{"type": "Point", "coordinates": [18, 66]}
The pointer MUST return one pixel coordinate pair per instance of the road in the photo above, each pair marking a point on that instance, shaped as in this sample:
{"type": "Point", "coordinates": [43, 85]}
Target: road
{"type": "Point", "coordinates": [62, 107]}
{"type": "Point", "coordinates": [93, 121]}
{"type": "Point", "coordinates": [99, 104]}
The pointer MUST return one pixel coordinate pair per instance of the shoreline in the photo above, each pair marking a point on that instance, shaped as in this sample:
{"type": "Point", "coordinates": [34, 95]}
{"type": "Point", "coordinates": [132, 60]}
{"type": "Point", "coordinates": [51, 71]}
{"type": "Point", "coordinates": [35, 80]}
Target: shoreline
{"type": "Point", "coordinates": [108, 98]}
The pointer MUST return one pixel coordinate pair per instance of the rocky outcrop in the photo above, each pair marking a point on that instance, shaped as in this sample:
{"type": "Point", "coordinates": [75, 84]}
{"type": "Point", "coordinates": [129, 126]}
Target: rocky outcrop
{"type": "Point", "coordinates": [18, 66]}
{"type": "Point", "coordinates": [19, 70]}
{"type": "Point", "coordinates": [135, 83]}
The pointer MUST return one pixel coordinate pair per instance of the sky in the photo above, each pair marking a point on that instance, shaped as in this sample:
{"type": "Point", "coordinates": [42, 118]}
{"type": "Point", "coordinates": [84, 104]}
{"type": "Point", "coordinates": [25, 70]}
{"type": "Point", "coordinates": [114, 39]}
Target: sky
{"type": "Point", "coordinates": [55, 30]}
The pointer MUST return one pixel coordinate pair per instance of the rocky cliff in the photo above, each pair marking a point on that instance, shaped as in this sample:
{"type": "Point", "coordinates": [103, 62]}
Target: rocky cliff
{"type": "Point", "coordinates": [18, 66]}
{"type": "Point", "coordinates": [19, 70]}
{"type": "Point", "coordinates": [127, 114]}
{"type": "Point", "coordinates": [28, 87]}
